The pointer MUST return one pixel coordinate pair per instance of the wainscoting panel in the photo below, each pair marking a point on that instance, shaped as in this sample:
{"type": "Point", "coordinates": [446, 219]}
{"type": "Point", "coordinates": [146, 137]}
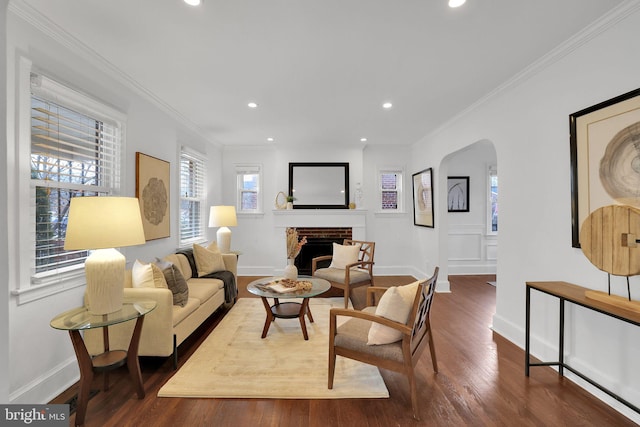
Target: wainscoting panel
{"type": "Point", "coordinates": [471, 250]}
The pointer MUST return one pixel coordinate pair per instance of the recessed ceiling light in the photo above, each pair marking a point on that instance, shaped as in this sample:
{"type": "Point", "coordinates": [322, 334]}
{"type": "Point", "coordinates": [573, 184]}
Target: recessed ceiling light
{"type": "Point", "coordinates": [363, 139]}
{"type": "Point", "coordinates": [387, 105]}
{"type": "Point", "coordinates": [270, 139]}
{"type": "Point", "coordinates": [193, 2]}
{"type": "Point", "coordinates": [252, 105]}
{"type": "Point", "coordinates": [456, 3]}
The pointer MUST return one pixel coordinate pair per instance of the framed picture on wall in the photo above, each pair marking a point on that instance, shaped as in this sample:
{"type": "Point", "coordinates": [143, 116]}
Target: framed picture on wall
{"type": "Point", "coordinates": [152, 191]}
{"type": "Point", "coordinates": [458, 194]}
{"type": "Point", "coordinates": [605, 165]}
{"type": "Point", "coordinates": [423, 198]}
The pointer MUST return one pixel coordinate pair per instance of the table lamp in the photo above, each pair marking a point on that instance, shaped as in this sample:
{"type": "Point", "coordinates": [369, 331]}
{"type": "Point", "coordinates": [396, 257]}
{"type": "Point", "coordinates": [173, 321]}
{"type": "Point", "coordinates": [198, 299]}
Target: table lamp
{"type": "Point", "coordinates": [223, 217]}
{"type": "Point", "coordinates": [100, 224]}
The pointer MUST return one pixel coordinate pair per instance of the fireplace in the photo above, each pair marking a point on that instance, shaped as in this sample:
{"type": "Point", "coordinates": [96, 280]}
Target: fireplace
{"type": "Point", "coordinates": [319, 242]}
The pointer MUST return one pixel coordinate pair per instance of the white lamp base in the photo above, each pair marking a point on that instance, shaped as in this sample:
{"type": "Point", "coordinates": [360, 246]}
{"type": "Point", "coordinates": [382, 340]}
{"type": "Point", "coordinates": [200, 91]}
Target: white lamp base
{"type": "Point", "coordinates": [104, 271]}
{"type": "Point", "coordinates": [223, 239]}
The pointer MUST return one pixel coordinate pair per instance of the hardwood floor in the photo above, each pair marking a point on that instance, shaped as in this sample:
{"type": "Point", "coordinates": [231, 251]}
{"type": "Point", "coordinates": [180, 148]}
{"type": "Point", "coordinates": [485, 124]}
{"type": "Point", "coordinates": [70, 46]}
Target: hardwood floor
{"type": "Point", "coordinates": [480, 382]}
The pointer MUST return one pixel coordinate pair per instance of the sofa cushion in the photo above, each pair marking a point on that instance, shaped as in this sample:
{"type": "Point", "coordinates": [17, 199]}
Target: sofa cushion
{"type": "Point", "coordinates": [182, 312]}
{"type": "Point", "coordinates": [181, 261]}
{"type": "Point", "coordinates": [203, 289]}
{"type": "Point", "coordinates": [207, 261]}
{"type": "Point", "coordinates": [175, 281]}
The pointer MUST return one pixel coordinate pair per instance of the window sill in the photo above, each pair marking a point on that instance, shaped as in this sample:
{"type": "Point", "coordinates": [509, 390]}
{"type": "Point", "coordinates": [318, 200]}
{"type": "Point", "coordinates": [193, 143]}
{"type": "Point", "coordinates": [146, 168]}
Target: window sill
{"type": "Point", "coordinates": [382, 214]}
{"type": "Point", "coordinates": [39, 291]}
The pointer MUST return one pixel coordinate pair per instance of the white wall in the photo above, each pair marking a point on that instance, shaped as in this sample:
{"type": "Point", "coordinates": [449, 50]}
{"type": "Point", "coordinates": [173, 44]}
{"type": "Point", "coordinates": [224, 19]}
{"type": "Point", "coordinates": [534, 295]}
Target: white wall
{"type": "Point", "coordinates": [41, 360]}
{"type": "Point", "coordinates": [4, 187]}
{"type": "Point", "coordinates": [527, 121]}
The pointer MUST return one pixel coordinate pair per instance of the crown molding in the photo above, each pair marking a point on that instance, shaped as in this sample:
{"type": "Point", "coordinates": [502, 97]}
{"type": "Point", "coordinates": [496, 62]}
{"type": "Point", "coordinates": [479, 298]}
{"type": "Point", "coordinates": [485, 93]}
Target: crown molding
{"type": "Point", "coordinates": [602, 24]}
{"type": "Point", "coordinates": [45, 25]}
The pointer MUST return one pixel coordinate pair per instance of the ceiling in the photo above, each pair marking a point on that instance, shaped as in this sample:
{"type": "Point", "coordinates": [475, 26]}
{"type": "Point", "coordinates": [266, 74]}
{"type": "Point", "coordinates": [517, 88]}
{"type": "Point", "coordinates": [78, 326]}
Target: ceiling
{"type": "Point", "coordinates": [320, 69]}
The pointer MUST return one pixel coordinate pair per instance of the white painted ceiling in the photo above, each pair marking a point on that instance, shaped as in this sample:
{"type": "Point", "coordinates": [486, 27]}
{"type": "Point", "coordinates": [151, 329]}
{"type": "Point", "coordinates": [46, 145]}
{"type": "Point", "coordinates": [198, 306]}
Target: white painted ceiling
{"type": "Point", "coordinates": [320, 69]}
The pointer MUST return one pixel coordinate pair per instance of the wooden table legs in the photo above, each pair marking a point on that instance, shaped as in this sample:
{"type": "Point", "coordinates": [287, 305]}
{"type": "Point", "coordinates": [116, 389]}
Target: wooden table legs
{"type": "Point", "coordinates": [287, 310]}
{"type": "Point", "coordinates": [103, 363]}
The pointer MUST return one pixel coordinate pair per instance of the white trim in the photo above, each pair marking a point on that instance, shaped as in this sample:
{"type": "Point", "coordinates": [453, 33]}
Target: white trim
{"type": "Point", "coordinates": [608, 20]}
{"type": "Point", "coordinates": [33, 17]}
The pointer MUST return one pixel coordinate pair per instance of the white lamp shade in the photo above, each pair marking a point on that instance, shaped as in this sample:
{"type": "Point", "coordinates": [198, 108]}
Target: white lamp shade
{"type": "Point", "coordinates": [101, 224]}
{"type": "Point", "coordinates": [104, 222]}
{"type": "Point", "coordinates": [223, 216]}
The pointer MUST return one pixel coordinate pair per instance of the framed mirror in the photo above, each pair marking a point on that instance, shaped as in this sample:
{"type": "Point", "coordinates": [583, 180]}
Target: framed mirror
{"type": "Point", "coordinates": [319, 185]}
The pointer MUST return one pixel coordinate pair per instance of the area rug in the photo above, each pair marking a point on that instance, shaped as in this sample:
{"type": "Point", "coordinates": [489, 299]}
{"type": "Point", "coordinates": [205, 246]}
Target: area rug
{"type": "Point", "coordinates": [234, 362]}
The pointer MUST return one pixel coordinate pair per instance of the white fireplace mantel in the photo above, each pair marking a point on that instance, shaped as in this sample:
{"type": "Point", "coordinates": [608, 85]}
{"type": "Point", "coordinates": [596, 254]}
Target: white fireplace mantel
{"type": "Point", "coordinates": [354, 218]}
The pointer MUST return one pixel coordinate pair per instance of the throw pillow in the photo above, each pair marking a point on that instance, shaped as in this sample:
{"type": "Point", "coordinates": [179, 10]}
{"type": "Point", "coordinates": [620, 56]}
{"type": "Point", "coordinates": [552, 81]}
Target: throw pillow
{"type": "Point", "coordinates": [344, 255]}
{"type": "Point", "coordinates": [395, 304]}
{"type": "Point", "coordinates": [207, 261]}
{"type": "Point", "coordinates": [147, 276]}
{"type": "Point", "coordinates": [175, 281]}
{"type": "Point", "coordinates": [142, 275]}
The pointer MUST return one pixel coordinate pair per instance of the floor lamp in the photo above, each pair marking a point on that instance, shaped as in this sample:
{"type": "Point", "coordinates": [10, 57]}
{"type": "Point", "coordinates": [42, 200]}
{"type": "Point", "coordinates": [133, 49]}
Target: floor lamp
{"type": "Point", "coordinates": [223, 217]}
{"type": "Point", "coordinates": [100, 224]}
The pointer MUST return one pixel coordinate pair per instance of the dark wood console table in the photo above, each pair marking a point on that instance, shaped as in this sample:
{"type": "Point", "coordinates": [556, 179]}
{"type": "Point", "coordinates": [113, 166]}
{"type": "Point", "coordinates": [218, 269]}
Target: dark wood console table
{"type": "Point", "coordinates": [576, 295]}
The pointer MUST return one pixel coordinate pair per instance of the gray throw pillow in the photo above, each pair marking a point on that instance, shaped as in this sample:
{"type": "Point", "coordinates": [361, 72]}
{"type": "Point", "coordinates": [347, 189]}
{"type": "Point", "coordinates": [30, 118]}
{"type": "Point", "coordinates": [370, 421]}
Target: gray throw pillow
{"type": "Point", "coordinates": [175, 281]}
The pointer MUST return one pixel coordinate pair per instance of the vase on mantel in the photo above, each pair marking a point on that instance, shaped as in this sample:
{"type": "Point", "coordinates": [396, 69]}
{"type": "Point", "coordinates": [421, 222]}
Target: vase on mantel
{"type": "Point", "coordinates": [291, 271]}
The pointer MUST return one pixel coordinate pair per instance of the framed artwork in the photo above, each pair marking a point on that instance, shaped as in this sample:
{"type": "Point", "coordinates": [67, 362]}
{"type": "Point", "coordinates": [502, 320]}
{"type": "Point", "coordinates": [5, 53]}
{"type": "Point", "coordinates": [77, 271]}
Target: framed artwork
{"type": "Point", "coordinates": [152, 191]}
{"type": "Point", "coordinates": [458, 193]}
{"type": "Point", "coordinates": [423, 198]}
{"type": "Point", "coordinates": [605, 164]}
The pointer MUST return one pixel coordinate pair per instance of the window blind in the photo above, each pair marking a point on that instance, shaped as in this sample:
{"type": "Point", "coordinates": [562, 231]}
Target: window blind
{"type": "Point", "coordinates": [192, 197]}
{"type": "Point", "coordinates": [72, 155]}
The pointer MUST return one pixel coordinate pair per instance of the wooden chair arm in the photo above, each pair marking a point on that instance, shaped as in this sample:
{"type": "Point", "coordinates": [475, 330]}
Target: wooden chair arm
{"type": "Point", "coordinates": [335, 312]}
{"type": "Point", "coordinates": [364, 265]}
{"type": "Point", "coordinates": [314, 262]}
{"type": "Point", "coordinates": [372, 293]}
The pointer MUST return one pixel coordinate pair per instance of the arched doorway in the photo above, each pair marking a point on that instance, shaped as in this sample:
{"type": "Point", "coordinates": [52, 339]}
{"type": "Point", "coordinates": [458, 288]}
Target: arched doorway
{"type": "Point", "coordinates": [469, 234]}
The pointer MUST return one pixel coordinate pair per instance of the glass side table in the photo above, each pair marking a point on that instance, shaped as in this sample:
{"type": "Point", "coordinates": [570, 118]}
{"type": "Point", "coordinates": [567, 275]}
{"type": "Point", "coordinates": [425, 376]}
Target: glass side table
{"type": "Point", "coordinates": [79, 319]}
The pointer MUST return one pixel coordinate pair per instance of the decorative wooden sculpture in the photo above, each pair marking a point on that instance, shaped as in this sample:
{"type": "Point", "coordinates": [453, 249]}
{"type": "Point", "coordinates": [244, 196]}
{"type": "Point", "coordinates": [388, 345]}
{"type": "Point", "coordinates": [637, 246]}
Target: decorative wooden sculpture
{"type": "Point", "coordinates": [609, 238]}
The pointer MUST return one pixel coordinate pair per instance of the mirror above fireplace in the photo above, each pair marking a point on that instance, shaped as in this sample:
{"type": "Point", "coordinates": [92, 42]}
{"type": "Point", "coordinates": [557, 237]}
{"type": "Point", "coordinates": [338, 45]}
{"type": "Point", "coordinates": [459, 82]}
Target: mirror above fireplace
{"type": "Point", "coordinates": [319, 185]}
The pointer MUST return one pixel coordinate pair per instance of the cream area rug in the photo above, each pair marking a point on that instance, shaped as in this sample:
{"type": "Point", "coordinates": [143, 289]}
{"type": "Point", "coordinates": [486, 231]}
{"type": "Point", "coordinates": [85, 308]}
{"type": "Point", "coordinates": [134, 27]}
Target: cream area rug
{"type": "Point", "coordinates": [234, 362]}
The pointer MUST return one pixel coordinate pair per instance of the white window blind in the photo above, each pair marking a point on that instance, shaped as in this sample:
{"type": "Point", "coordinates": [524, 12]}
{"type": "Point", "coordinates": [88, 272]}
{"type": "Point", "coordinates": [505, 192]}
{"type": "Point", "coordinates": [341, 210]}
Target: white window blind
{"type": "Point", "coordinates": [192, 197]}
{"type": "Point", "coordinates": [73, 153]}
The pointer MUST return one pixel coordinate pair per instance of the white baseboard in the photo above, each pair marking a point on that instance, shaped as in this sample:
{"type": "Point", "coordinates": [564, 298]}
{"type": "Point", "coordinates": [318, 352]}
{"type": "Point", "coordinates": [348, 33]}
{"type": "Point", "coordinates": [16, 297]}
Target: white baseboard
{"type": "Point", "coordinates": [49, 385]}
{"type": "Point", "coordinates": [544, 350]}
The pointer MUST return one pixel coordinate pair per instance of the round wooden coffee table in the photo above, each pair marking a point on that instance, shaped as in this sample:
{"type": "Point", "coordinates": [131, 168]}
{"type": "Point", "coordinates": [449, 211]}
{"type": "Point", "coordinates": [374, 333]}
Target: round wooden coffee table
{"type": "Point", "coordinates": [288, 309]}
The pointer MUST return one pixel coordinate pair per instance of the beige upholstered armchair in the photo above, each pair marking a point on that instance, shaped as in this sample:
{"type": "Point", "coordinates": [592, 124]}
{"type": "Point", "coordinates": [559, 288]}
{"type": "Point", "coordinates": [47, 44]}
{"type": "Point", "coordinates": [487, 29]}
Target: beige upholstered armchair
{"type": "Point", "coordinates": [391, 336]}
{"type": "Point", "coordinates": [351, 266]}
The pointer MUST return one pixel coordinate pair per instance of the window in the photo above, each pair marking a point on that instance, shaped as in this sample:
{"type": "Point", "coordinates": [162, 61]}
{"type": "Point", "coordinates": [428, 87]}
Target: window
{"type": "Point", "coordinates": [493, 201]}
{"type": "Point", "coordinates": [192, 197]}
{"type": "Point", "coordinates": [249, 198]}
{"type": "Point", "coordinates": [75, 151]}
{"type": "Point", "coordinates": [390, 190]}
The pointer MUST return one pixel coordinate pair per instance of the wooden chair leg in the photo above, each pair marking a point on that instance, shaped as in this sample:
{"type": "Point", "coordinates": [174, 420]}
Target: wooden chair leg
{"type": "Point", "coordinates": [332, 367]}
{"type": "Point", "coordinates": [346, 297]}
{"type": "Point", "coordinates": [432, 350]}
{"type": "Point", "coordinates": [414, 394]}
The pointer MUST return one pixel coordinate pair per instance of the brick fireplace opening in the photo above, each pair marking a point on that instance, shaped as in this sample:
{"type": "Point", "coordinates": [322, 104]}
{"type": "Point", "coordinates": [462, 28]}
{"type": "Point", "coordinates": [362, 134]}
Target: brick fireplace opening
{"type": "Point", "coordinates": [319, 242]}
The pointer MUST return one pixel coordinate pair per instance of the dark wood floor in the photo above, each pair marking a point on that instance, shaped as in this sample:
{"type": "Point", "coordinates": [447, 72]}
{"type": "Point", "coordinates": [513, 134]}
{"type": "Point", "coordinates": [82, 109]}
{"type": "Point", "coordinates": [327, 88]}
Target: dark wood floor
{"type": "Point", "coordinates": [480, 382]}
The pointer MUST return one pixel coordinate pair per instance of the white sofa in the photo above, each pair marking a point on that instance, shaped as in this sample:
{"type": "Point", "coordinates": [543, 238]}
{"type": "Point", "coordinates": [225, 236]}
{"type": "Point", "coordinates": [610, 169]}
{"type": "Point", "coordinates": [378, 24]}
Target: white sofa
{"type": "Point", "coordinates": [168, 325]}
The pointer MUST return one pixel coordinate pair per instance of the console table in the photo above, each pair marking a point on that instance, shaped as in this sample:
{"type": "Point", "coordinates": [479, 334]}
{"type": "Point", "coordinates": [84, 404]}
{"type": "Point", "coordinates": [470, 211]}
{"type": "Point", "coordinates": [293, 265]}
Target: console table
{"type": "Point", "coordinates": [79, 319]}
{"type": "Point", "coordinates": [567, 292]}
